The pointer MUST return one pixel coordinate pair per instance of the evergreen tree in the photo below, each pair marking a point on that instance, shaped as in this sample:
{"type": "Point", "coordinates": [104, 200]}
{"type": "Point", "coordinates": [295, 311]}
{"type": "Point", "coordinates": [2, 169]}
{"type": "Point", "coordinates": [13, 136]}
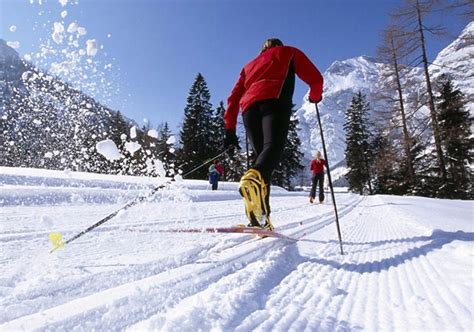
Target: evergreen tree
{"type": "Point", "coordinates": [217, 128]}
{"type": "Point", "coordinates": [358, 145]}
{"type": "Point", "coordinates": [455, 130]}
{"type": "Point", "coordinates": [290, 164]}
{"type": "Point", "coordinates": [197, 131]}
{"type": "Point", "coordinates": [165, 149]}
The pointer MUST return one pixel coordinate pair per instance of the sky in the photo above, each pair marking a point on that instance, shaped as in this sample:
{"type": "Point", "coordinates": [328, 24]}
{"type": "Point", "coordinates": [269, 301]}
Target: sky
{"type": "Point", "coordinates": [156, 47]}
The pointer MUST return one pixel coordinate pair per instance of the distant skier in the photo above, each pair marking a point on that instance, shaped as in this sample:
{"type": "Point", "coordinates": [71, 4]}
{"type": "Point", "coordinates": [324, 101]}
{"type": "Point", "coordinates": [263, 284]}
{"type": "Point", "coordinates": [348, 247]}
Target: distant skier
{"type": "Point", "coordinates": [264, 92]}
{"type": "Point", "coordinates": [215, 173]}
{"type": "Point", "coordinates": [317, 168]}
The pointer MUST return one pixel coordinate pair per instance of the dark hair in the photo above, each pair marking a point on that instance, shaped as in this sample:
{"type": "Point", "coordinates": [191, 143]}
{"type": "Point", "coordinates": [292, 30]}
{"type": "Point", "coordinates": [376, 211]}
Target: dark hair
{"type": "Point", "coordinates": [269, 43]}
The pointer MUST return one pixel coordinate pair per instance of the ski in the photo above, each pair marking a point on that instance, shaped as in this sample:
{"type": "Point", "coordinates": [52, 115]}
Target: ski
{"type": "Point", "coordinates": [234, 229]}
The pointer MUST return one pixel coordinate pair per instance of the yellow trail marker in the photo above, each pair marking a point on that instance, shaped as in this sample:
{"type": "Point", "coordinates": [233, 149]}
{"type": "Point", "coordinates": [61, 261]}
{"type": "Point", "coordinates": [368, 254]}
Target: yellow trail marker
{"type": "Point", "coordinates": [57, 241]}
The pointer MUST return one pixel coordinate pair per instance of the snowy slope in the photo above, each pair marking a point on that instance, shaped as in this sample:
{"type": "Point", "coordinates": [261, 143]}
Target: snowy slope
{"type": "Point", "coordinates": [456, 60]}
{"type": "Point", "coordinates": [345, 78]}
{"type": "Point", "coordinates": [408, 263]}
{"type": "Point", "coordinates": [341, 81]}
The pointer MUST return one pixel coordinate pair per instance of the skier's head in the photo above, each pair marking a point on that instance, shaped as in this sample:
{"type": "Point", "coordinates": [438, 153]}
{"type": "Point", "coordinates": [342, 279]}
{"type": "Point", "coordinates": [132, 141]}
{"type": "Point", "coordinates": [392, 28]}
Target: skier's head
{"type": "Point", "coordinates": [318, 155]}
{"type": "Point", "coordinates": [269, 43]}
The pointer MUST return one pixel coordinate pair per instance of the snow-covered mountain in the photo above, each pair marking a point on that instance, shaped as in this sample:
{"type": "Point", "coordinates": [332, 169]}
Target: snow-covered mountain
{"type": "Point", "coordinates": [345, 78]}
{"type": "Point", "coordinates": [341, 81]}
{"type": "Point", "coordinates": [457, 60]}
{"type": "Point", "coordinates": [11, 68]}
{"type": "Point", "coordinates": [46, 122]}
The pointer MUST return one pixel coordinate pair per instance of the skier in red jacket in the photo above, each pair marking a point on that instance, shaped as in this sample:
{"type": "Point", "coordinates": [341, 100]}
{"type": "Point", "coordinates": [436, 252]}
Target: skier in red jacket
{"type": "Point", "coordinates": [264, 92]}
{"type": "Point", "coordinates": [317, 168]}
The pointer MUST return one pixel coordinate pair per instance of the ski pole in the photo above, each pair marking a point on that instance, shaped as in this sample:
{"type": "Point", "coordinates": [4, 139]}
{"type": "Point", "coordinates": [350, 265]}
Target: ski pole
{"type": "Point", "coordinates": [56, 237]}
{"type": "Point", "coordinates": [329, 178]}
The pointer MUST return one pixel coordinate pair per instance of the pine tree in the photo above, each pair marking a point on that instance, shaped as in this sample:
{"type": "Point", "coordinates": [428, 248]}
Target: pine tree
{"type": "Point", "coordinates": [165, 149]}
{"type": "Point", "coordinates": [290, 164]}
{"type": "Point", "coordinates": [358, 145]}
{"type": "Point", "coordinates": [196, 132]}
{"type": "Point", "coordinates": [217, 127]}
{"type": "Point", "coordinates": [455, 124]}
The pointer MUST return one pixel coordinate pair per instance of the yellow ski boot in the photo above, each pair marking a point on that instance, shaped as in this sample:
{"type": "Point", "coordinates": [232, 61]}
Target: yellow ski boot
{"type": "Point", "coordinates": [268, 224]}
{"type": "Point", "coordinates": [253, 190]}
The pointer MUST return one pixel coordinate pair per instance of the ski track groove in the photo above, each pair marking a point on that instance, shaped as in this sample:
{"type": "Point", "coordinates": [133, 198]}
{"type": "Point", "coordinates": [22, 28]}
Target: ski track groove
{"type": "Point", "coordinates": [309, 221]}
{"type": "Point", "coordinates": [378, 256]}
{"type": "Point", "coordinates": [439, 294]}
{"type": "Point", "coordinates": [91, 284]}
{"type": "Point", "coordinates": [261, 254]}
{"type": "Point", "coordinates": [83, 283]}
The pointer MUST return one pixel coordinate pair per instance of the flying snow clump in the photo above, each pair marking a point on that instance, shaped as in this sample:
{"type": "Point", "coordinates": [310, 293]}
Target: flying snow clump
{"type": "Point", "coordinates": [13, 44]}
{"type": "Point", "coordinates": [133, 132]}
{"type": "Point", "coordinates": [58, 32]}
{"type": "Point", "coordinates": [92, 47]}
{"type": "Point", "coordinates": [171, 140]}
{"type": "Point", "coordinates": [153, 133]}
{"type": "Point", "coordinates": [132, 147]}
{"type": "Point", "coordinates": [109, 150]}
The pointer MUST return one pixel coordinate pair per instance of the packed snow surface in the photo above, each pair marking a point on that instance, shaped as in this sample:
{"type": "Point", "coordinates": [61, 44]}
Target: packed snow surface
{"type": "Point", "coordinates": [408, 262]}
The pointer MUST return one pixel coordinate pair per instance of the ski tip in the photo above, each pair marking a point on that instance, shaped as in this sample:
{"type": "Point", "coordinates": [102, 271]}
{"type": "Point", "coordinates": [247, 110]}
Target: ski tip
{"type": "Point", "coordinates": [56, 240]}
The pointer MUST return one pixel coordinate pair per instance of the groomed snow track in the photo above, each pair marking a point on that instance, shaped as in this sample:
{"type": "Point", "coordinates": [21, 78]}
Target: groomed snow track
{"type": "Point", "coordinates": [398, 273]}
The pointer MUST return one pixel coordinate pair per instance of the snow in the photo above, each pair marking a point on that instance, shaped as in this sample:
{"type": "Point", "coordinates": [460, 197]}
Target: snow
{"type": "Point", "coordinates": [408, 265]}
{"type": "Point", "coordinates": [72, 27]}
{"type": "Point", "coordinates": [132, 147]}
{"type": "Point", "coordinates": [171, 140]}
{"type": "Point", "coordinates": [133, 132]}
{"type": "Point", "coordinates": [13, 44]}
{"type": "Point", "coordinates": [346, 77]}
{"type": "Point", "coordinates": [58, 32]}
{"type": "Point", "coordinates": [91, 47]}
{"type": "Point", "coordinates": [109, 150]}
{"type": "Point", "coordinates": [81, 31]}
{"type": "Point", "coordinates": [153, 133]}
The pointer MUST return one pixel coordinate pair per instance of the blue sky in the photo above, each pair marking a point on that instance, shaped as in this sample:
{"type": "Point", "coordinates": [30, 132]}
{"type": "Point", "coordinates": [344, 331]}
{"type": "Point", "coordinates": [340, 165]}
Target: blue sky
{"type": "Point", "coordinates": [157, 47]}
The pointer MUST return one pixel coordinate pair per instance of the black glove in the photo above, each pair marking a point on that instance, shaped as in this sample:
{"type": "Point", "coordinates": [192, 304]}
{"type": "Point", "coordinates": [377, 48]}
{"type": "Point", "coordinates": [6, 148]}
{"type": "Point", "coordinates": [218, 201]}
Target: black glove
{"type": "Point", "coordinates": [231, 140]}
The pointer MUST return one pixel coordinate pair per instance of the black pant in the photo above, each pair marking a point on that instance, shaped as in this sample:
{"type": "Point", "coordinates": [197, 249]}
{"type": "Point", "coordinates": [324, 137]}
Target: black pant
{"type": "Point", "coordinates": [318, 178]}
{"type": "Point", "coordinates": [266, 123]}
{"type": "Point", "coordinates": [214, 185]}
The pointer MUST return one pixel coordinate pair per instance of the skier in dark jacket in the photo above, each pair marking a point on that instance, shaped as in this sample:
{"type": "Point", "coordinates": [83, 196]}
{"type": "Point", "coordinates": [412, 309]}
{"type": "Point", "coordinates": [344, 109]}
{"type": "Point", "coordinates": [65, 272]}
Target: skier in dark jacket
{"type": "Point", "coordinates": [317, 168]}
{"type": "Point", "coordinates": [264, 92]}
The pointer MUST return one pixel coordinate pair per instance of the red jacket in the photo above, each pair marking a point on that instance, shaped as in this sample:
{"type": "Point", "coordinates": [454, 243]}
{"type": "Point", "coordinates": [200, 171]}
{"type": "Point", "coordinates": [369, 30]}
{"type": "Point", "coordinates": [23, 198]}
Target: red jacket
{"type": "Point", "coordinates": [318, 166]}
{"type": "Point", "coordinates": [263, 78]}
{"type": "Point", "coordinates": [219, 169]}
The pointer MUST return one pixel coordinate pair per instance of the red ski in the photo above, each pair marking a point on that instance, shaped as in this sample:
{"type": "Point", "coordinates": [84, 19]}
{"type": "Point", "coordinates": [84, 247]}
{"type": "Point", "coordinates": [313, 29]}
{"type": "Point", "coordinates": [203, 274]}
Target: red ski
{"type": "Point", "coordinates": [235, 229]}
